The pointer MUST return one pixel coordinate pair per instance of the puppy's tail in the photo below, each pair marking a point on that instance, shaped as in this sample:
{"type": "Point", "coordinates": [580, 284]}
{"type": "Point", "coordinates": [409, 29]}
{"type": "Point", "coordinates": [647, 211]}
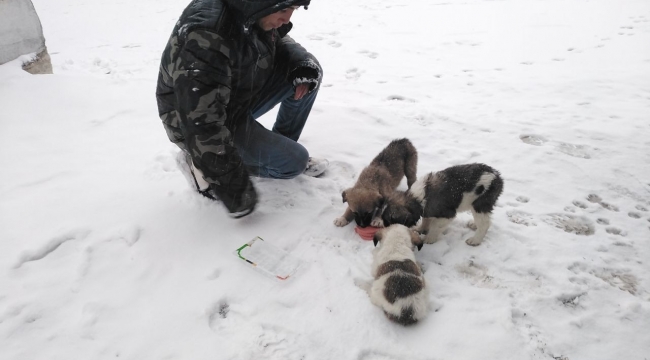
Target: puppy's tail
{"type": "Point", "coordinates": [410, 159]}
{"type": "Point", "coordinates": [493, 182]}
{"type": "Point", "coordinates": [406, 318]}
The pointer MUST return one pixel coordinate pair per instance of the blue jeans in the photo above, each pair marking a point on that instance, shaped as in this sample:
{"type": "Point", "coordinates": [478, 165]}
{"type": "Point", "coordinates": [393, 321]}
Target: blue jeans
{"type": "Point", "coordinates": [276, 153]}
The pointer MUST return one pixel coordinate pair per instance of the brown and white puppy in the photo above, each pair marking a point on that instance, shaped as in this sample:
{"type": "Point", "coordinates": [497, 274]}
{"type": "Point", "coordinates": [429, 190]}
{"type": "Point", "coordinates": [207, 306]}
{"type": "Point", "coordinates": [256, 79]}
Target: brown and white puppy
{"type": "Point", "coordinates": [398, 287]}
{"type": "Point", "coordinates": [471, 187]}
{"type": "Point", "coordinates": [378, 180]}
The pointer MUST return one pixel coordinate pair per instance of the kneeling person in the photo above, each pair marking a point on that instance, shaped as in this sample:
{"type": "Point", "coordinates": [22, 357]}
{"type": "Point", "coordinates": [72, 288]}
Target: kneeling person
{"type": "Point", "coordinates": [227, 63]}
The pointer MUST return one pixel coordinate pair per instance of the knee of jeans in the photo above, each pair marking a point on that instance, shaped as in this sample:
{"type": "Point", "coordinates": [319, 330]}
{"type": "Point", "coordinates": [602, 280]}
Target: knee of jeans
{"type": "Point", "coordinates": [294, 166]}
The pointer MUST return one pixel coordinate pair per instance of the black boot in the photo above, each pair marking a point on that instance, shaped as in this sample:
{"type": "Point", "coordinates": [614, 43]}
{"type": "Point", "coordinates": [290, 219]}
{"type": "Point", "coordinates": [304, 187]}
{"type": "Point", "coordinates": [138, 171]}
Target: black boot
{"type": "Point", "coordinates": [238, 195]}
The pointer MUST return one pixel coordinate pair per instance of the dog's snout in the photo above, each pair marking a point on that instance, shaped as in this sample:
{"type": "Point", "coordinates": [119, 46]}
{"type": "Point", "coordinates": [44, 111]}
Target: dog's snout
{"type": "Point", "coordinates": [363, 220]}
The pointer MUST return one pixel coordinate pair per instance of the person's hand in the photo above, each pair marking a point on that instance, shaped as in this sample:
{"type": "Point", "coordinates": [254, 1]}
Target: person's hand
{"type": "Point", "coordinates": [304, 80]}
{"type": "Point", "coordinates": [301, 90]}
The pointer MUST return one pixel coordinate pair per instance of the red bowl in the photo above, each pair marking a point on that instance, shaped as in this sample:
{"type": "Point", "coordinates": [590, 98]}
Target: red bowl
{"type": "Point", "coordinates": [366, 233]}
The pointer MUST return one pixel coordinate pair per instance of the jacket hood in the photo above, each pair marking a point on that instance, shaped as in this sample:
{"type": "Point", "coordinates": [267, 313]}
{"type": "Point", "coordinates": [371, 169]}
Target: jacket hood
{"type": "Point", "coordinates": [253, 10]}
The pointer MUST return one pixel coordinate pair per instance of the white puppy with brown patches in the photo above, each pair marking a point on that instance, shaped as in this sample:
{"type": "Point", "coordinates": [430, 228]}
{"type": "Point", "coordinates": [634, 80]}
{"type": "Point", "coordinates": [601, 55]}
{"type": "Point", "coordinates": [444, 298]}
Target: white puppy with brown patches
{"type": "Point", "coordinates": [398, 287]}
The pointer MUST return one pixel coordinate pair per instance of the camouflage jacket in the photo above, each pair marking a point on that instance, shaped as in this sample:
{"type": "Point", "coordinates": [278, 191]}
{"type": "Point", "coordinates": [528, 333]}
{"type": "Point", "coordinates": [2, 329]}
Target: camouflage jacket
{"type": "Point", "coordinates": [211, 73]}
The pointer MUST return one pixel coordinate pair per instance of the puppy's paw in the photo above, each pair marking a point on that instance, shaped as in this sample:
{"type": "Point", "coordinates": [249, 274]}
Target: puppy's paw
{"type": "Point", "coordinates": [340, 221]}
{"type": "Point", "coordinates": [377, 223]}
{"type": "Point", "coordinates": [471, 225]}
{"type": "Point", "coordinates": [429, 239]}
{"type": "Point", "coordinates": [420, 228]}
{"type": "Point", "coordinates": [420, 231]}
{"type": "Point", "coordinates": [363, 284]}
{"type": "Point", "coordinates": [473, 241]}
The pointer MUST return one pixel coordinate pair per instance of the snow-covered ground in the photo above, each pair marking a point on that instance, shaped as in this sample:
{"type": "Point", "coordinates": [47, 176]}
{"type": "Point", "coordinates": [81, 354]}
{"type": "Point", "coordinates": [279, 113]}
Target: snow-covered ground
{"type": "Point", "coordinates": [105, 253]}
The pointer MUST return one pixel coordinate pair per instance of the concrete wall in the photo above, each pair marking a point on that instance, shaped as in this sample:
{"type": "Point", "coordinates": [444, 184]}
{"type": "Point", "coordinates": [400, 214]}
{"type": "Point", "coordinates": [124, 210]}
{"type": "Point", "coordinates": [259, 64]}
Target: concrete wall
{"type": "Point", "coordinates": [21, 33]}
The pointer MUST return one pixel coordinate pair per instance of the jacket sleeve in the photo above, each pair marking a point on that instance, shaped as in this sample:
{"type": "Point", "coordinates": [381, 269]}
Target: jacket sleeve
{"type": "Point", "coordinates": [292, 56]}
{"type": "Point", "coordinates": [202, 85]}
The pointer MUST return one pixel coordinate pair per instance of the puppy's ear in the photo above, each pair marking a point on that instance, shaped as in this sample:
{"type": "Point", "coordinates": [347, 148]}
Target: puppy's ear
{"type": "Point", "coordinates": [344, 196]}
{"type": "Point", "coordinates": [414, 207]}
{"type": "Point", "coordinates": [377, 238]}
{"type": "Point", "coordinates": [415, 210]}
{"type": "Point", "coordinates": [415, 240]}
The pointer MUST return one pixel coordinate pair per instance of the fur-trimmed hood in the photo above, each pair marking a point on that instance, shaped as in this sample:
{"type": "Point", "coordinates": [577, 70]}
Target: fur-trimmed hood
{"type": "Point", "coordinates": [250, 11]}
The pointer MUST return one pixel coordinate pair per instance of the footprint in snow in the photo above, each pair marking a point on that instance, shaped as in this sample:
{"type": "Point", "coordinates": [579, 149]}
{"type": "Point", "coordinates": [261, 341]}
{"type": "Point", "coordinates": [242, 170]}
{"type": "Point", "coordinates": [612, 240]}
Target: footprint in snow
{"type": "Point", "coordinates": [370, 54]}
{"type": "Point", "coordinates": [579, 204]}
{"type": "Point", "coordinates": [520, 218]}
{"type": "Point", "coordinates": [353, 74]}
{"type": "Point", "coordinates": [216, 313]}
{"type": "Point", "coordinates": [570, 209]}
{"type": "Point", "coordinates": [602, 221]}
{"type": "Point", "coordinates": [579, 151]}
{"type": "Point", "coordinates": [341, 170]}
{"type": "Point", "coordinates": [214, 274]}
{"type": "Point", "coordinates": [533, 139]}
{"type": "Point", "coordinates": [276, 342]}
{"type": "Point", "coordinates": [467, 43]}
{"type": "Point", "coordinates": [615, 231]}
{"type": "Point", "coordinates": [50, 246]}
{"type": "Point", "coordinates": [575, 224]}
{"type": "Point", "coordinates": [609, 207]}
{"type": "Point", "coordinates": [617, 278]}
{"type": "Point", "coordinates": [129, 235]}
{"type": "Point", "coordinates": [162, 166]}
{"type": "Point", "coordinates": [528, 329]}
{"type": "Point", "coordinates": [522, 199]}
{"type": "Point", "coordinates": [593, 198]}
{"type": "Point", "coordinates": [399, 98]}
{"type": "Point", "coordinates": [570, 300]}
{"type": "Point", "coordinates": [634, 215]}
{"type": "Point", "coordinates": [324, 36]}
{"type": "Point", "coordinates": [476, 274]}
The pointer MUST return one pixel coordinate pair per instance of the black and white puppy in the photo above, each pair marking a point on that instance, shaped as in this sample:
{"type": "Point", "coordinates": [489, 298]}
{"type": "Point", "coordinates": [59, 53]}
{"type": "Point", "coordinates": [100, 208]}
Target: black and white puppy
{"type": "Point", "coordinates": [401, 207]}
{"type": "Point", "coordinates": [471, 187]}
{"type": "Point", "coordinates": [398, 287]}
